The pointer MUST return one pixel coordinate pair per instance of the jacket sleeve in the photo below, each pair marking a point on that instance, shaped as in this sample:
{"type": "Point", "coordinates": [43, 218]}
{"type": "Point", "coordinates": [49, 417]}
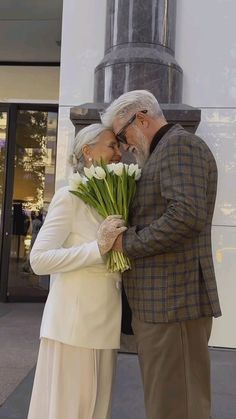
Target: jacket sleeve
{"type": "Point", "coordinates": [48, 255]}
{"type": "Point", "coordinates": [183, 183]}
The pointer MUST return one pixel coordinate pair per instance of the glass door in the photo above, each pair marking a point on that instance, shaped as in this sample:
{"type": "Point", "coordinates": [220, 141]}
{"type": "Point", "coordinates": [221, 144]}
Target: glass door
{"type": "Point", "coordinates": [3, 146]}
{"type": "Point", "coordinates": [33, 188]}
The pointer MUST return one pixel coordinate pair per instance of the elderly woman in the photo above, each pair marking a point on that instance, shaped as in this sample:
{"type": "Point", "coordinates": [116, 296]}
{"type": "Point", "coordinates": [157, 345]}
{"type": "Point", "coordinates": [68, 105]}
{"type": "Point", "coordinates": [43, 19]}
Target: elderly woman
{"type": "Point", "coordinates": [80, 330]}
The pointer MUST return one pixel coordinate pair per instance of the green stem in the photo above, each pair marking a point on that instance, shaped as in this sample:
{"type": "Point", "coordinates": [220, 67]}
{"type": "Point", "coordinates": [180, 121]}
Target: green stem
{"type": "Point", "coordinates": [111, 196]}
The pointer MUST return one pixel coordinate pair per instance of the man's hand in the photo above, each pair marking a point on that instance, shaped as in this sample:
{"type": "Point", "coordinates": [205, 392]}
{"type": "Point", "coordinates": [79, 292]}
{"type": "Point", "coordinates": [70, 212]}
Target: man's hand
{"type": "Point", "coordinates": [118, 244]}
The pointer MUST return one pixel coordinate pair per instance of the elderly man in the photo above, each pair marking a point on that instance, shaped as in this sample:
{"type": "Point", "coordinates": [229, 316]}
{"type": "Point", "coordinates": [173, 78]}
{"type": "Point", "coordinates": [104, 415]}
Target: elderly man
{"type": "Point", "coordinates": [171, 287]}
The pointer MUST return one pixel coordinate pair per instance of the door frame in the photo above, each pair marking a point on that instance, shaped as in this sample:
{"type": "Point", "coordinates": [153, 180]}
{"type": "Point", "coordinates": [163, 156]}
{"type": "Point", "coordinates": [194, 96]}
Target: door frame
{"type": "Point", "coordinates": [8, 184]}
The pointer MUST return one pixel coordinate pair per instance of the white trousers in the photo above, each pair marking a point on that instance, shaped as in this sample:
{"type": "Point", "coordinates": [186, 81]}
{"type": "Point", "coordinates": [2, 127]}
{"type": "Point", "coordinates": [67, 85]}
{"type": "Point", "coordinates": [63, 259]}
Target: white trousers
{"type": "Point", "coordinates": [72, 382]}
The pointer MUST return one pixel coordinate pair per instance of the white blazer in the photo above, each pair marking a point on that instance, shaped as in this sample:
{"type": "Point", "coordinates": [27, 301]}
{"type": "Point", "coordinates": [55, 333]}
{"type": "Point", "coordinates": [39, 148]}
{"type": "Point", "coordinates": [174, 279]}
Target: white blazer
{"type": "Point", "coordinates": [84, 303]}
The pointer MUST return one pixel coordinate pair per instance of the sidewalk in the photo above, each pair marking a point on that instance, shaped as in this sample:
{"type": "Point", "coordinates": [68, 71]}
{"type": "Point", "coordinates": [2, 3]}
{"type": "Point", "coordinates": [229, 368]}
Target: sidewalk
{"type": "Point", "coordinates": [24, 319]}
{"type": "Point", "coordinates": [19, 332]}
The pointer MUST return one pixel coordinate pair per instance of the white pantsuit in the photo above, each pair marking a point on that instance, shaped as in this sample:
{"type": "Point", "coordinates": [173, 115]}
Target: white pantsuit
{"type": "Point", "coordinates": [80, 330]}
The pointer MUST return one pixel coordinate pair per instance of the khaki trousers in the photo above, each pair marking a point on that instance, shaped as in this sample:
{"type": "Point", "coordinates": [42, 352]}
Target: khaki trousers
{"type": "Point", "coordinates": [175, 367]}
{"type": "Point", "coordinates": [72, 382]}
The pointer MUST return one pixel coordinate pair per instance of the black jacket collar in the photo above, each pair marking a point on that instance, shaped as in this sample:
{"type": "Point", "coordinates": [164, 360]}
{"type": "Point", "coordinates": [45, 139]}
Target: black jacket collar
{"type": "Point", "coordinates": [158, 136]}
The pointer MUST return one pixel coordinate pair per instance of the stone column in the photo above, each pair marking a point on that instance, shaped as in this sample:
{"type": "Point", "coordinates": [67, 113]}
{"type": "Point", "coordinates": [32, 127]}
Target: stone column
{"type": "Point", "coordinates": [139, 51]}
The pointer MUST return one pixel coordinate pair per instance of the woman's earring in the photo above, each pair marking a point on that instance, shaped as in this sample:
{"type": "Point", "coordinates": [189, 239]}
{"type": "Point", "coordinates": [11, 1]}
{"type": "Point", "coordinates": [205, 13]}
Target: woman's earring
{"type": "Point", "coordinates": [90, 159]}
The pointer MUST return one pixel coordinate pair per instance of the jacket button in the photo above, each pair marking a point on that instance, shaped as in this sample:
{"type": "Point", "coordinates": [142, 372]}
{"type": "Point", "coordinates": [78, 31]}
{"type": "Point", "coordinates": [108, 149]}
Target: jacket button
{"type": "Point", "coordinates": [118, 285]}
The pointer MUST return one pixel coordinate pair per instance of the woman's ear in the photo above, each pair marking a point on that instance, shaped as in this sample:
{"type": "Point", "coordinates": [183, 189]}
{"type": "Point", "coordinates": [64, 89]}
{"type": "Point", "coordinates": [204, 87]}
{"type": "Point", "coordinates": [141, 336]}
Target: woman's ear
{"type": "Point", "coordinates": [86, 150]}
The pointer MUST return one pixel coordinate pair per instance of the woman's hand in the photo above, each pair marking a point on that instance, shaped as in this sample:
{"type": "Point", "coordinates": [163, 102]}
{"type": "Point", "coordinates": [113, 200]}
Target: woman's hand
{"type": "Point", "coordinates": [108, 231]}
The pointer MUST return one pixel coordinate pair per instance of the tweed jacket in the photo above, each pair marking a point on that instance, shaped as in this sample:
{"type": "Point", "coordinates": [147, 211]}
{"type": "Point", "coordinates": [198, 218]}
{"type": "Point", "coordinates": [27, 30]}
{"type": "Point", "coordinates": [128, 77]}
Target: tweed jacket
{"type": "Point", "coordinates": [169, 239]}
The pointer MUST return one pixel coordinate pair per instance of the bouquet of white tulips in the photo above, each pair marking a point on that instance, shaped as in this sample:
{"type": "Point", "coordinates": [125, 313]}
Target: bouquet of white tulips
{"type": "Point", "coordinates": [110, 190]}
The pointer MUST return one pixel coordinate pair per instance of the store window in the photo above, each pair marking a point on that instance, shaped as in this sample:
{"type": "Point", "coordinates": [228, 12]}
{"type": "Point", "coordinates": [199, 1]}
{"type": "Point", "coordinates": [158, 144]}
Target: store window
{"type": "Point", "coordinates": [33, 180]}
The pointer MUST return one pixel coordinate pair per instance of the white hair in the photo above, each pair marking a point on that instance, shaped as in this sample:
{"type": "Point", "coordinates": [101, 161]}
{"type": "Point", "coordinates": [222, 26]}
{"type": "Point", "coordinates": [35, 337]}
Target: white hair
{"type": "Point", "coordinates": [128, 104]}
{"type": "Point", "coordinates": [86, 136]}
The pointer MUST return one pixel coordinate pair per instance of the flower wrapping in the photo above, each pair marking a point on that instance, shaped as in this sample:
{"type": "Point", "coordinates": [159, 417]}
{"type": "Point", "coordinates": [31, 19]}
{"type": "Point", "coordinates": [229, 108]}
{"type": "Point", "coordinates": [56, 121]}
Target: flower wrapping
{"type": "Point", "coordinates": [110, 189]}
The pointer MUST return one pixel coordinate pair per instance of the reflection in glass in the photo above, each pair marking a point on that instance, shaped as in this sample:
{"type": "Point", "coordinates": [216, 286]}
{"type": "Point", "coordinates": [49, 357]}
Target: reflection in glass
{"type": "Point", "coordinates": [34, 176]}
{"type": "Point", "coordinates": [3, 134]}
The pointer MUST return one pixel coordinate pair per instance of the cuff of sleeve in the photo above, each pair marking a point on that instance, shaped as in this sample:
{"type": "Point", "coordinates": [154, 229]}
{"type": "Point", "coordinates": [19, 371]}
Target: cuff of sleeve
{"type": "Point", "coordinates": [95, 252]}
{"type": "Point", "coordinates": [126, 243]}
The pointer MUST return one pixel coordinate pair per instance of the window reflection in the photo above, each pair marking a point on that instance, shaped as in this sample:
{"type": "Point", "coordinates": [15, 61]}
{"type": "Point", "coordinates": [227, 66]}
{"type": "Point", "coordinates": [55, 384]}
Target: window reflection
{"type": "Point", "coordinates": [34, 176]}
{"type": "Point", "coordinates": [3, 133]}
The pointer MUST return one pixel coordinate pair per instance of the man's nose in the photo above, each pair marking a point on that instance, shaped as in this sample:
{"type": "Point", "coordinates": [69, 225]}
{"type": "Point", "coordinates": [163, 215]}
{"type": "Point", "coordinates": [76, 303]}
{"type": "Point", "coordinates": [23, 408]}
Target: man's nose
{"type": "Point", "coordinates": [125, 147]}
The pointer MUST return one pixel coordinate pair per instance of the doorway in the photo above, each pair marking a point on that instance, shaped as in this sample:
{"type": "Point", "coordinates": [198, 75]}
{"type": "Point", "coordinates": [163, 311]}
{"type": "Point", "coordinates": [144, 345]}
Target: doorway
{"type": "Point", "coordinates": [27, 176]}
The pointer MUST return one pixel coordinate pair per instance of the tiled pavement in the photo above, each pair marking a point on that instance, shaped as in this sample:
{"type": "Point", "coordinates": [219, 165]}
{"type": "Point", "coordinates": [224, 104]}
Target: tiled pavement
{"type": "Point", "coordinates": [128, 398]}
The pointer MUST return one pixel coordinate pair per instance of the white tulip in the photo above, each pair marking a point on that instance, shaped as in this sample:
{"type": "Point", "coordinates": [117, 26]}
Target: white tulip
{"type": "Point", "coordinates": [99, 173]}
{"type": "Point", "coordinates": [84, 180]}
{"type": "Point", "coordinates": [74, 181]}
{"type": "Point", "coordinates": [89, 171]}
{"type": "Point", "coordinates": [110, 167]}
{"type": "Point", "coordinates": [118, 169]}
{"type": "Point", "coordinates": [132, 168]}
{"type": "Point", "coordinates": [138, 174]}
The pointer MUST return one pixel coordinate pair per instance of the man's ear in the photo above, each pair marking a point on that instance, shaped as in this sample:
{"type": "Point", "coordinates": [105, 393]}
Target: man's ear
{"type": "Point", "coordinates": [142, 119]}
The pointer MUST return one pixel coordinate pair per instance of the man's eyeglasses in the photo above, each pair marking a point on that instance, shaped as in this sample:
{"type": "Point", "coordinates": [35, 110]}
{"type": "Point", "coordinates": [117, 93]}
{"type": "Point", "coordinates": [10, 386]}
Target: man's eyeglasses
{"type": "Point", "coordinates": [121, 134]}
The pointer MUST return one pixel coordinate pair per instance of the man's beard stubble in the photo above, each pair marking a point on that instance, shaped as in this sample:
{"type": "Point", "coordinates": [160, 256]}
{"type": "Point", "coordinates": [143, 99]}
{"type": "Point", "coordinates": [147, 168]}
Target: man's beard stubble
{"type": "Point", "coordinates": [141, 150]}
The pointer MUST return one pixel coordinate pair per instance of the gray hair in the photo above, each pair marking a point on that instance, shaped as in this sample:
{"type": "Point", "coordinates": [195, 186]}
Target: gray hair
{"type": "Point", "coordinates": [129, 103]}
{"type": "Point", "coordinates": [86, 136]}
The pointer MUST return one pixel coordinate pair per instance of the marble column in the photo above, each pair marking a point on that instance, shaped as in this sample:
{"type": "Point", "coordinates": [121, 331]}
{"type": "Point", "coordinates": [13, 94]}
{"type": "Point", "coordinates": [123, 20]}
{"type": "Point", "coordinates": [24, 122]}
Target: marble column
{"type": "Point", "coordinates": [139, 51]}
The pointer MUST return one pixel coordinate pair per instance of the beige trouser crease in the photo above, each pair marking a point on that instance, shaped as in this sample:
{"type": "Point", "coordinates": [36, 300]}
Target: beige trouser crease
{"type": "Point", "coordinates": [175, 366]}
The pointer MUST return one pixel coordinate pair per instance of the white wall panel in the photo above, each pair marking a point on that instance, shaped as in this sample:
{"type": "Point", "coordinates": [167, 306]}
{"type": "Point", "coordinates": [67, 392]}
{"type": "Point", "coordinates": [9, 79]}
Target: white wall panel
{"type": "Point", "coordinates": [206, 51]}
{"type": "Point", "coordinates": [64, 145]}
{"type": "Point", "coordinates": [83, 38]}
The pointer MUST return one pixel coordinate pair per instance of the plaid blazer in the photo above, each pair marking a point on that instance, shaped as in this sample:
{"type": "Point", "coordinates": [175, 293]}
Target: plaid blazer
{"type": "Point", "coordinates": [169, 241]}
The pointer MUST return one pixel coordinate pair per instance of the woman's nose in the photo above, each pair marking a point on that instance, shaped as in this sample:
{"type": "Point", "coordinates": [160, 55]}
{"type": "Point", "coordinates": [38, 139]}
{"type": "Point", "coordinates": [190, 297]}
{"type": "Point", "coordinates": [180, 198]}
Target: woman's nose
{"type": "Point", "coordinates": [118, 152]}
